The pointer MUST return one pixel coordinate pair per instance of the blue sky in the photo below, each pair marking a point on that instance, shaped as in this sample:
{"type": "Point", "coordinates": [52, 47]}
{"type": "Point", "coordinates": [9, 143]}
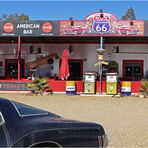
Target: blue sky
{"type": "Point", "coordinates": [63, 10]}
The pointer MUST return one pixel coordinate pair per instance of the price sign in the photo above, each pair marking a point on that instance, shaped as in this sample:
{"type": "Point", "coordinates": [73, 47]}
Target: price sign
{"type": "Point", "coordinates": [101, 26]}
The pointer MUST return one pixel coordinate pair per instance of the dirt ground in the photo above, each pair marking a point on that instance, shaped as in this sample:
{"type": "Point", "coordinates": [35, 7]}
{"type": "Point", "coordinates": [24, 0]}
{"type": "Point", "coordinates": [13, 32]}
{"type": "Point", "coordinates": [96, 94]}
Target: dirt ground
{"type": "Point", "coordinates": [125, 119]}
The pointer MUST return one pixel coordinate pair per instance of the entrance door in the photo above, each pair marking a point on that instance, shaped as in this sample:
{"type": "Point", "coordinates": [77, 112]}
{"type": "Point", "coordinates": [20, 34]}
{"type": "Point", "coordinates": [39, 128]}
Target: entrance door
{"type": "Point", "coordinates": [11, 68]}
{"type": "Point", "coordinates": [75, 69]}
{"type": "Point", "coordinates": [133, 69]}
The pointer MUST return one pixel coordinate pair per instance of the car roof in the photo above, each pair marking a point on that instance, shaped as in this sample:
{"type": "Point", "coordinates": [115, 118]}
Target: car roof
{"type": "Point", "coordinates": [4, 100]}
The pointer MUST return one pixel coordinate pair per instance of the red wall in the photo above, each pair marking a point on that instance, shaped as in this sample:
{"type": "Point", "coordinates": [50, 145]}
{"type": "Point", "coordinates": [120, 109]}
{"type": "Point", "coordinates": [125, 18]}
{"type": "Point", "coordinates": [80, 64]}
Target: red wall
{"type": "Point", "coordinates": [60, 86]}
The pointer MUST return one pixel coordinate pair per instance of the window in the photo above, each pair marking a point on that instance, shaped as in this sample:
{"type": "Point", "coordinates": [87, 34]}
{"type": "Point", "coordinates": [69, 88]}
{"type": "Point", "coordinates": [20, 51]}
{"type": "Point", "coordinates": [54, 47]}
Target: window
{"type": "Point", "coordinates": [25, 110]}
{"type": "Point", "coordinates": [2, 121]}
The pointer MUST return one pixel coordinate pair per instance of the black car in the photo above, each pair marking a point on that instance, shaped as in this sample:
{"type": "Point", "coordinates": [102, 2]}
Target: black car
{"type": "Point", "coordinates": [25, 126]}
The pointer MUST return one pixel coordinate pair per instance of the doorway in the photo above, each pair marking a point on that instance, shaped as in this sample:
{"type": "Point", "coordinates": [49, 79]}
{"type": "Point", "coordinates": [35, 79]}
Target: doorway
{"type": "Point", "coordinates": [11, 68]}
{"type": "Point", "coordinates": [75, 69]}
{"type": "Point", "coordinates": [133, 69]}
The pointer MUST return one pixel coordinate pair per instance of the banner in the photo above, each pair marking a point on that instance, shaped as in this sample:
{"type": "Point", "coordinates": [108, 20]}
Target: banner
{"type": "Point", "coordinates": [96, 24]}
{"type": "Point", "coordinates": [102, 28]}
{"type": "Point", "coordinates": [30, 28]}
{"type": "Point", "coordinates": [102, 24]}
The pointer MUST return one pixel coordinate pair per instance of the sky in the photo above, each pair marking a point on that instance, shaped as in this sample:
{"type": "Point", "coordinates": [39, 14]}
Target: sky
{"type": "Point", "coordinates": [63, 10]}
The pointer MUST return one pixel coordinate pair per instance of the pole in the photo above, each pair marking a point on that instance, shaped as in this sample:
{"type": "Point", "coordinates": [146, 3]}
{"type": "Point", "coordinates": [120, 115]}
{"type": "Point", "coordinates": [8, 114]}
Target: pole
{"type": "Point", "coordinates": [100, 72]}
{"type": "Point", "coordinates": [100, 69]}
{"type": "Point", "coordinates": [19, 57]}
{"type": "Point", "coordinates": [101, 42]}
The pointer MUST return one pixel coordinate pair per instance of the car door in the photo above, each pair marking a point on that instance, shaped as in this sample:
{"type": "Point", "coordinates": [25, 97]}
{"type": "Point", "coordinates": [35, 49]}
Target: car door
{"type": "Point", "coordinates": [4, 142]}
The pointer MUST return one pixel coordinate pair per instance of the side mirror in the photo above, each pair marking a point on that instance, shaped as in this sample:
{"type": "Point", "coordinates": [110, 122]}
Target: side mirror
{"type": "Point", "coordinates": [2, 121]}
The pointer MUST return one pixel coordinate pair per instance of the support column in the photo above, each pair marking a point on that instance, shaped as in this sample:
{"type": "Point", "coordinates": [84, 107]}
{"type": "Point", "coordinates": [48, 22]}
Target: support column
{"type": "Point", "coordinates": [19, 57]}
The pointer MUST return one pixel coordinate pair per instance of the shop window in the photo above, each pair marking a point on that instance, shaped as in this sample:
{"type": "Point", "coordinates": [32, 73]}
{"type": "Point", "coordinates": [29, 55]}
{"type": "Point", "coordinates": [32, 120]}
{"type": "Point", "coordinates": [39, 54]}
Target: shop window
{"type": "Point", "coordinates": [133, 69]}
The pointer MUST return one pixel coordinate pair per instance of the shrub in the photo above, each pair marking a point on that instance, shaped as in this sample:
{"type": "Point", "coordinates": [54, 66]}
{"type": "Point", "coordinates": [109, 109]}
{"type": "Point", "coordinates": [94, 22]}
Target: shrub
{"type": "Point", "coordinates": [40, 86]}
{"type": "Point", "coordinates": [144, 87]}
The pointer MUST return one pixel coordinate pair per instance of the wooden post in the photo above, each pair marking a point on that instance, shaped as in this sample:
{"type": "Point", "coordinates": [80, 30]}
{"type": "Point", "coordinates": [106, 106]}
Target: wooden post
{"type": "Point", "coordinates": [19, 57]}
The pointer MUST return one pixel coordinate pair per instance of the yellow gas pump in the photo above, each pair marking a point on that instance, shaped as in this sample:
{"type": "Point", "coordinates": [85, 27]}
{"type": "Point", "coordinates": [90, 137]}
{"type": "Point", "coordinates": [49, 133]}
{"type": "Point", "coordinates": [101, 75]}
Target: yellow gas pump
{"type": "Point", "coordinates": [89, 82]}
{"type": "Point", "coordinates": [111, 83]}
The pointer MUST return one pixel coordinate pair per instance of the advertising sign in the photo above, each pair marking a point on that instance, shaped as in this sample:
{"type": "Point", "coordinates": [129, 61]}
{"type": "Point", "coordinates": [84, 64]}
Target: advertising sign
{"type": "Point", "coordinates": [99, 24]}
{"type": "Point", "coordinates": [13, 86]}
{"type": "Point", "coordinates": [96, 24]}
{"type": "Point", "coordinates": [30, 28]}
{"type": "Point", "coordinates": [79, 27]}
{"type": "Point", "coordinates": [101, 16]}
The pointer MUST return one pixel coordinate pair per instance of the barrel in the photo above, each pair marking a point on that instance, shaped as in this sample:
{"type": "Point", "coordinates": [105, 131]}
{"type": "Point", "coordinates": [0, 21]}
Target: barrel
{"type": "Point", "coordinates": [70, 88]}
{"type": "Point", "coordinates": [126, 88]}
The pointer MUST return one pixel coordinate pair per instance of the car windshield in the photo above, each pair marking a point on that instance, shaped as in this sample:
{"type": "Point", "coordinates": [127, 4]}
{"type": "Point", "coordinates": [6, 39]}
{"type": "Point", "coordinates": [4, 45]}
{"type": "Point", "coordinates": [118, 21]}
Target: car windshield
{"type": "Point", "coordinates": [25, 110]}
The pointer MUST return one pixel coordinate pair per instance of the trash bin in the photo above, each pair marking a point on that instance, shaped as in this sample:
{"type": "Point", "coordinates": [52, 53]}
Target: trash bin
{"type": "Point", "coordinates": [70, 88]}
{"type": "Point", "coordinates": [89, 82]}
{"type": "Point", "coordinates": [126, 88]}
{"type": "Point", "coordinates": [111, 83]}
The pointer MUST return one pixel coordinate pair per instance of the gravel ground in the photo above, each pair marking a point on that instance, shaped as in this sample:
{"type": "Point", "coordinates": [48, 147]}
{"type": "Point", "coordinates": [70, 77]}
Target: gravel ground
{"type": "Point", "coordinates": [125, 119]}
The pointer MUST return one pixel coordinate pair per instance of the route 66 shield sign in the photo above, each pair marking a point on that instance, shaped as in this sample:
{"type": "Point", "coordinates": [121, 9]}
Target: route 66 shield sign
{"type": "Point", "coordinates": [101, 26]}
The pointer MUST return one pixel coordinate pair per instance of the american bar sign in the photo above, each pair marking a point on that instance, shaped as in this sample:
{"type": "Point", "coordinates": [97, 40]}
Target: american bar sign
{"type": "Point", "coordinates": [30, 28]}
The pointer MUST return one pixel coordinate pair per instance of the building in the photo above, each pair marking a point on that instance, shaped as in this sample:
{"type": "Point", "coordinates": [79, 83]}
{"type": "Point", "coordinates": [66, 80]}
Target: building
{"type": "Point", "coordinates": [36, 47]}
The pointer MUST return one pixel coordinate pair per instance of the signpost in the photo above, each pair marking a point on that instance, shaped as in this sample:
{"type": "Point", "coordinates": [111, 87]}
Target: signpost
{"type": "Point", "coordinates": [100, 61]}
{"type": "Point", "coordinates": [100, 73]}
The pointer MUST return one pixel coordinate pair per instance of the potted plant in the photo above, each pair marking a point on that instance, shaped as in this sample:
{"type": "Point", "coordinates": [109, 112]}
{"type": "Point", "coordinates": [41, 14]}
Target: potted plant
{"type": "Point", "coordinates": [40, 86]}
{"type": "Point", "coordinates": [113, 66]}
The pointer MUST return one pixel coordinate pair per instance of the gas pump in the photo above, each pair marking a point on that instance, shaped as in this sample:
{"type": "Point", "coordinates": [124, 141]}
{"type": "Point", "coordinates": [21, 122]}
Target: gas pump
{"type": "Point", "coordinates": [89, 82]}
{"type": "Point", "coordinates": [111, 83]}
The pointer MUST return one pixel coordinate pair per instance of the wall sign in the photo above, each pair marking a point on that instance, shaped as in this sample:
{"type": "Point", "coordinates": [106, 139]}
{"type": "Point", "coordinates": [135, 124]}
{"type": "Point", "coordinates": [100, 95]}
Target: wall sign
{"type": "Point", "coordinates": [13, 86]}
{"type": "Point", "coordinates": [96, 24]}
{"type": "Point", "coordinates": [101, 26]}
{"type": "Point", "coordinates": [106, 24]}
{"type": "Point", "coordinates": [30, 28]}
{"type": "Point", "coordinates": [98, 16]}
